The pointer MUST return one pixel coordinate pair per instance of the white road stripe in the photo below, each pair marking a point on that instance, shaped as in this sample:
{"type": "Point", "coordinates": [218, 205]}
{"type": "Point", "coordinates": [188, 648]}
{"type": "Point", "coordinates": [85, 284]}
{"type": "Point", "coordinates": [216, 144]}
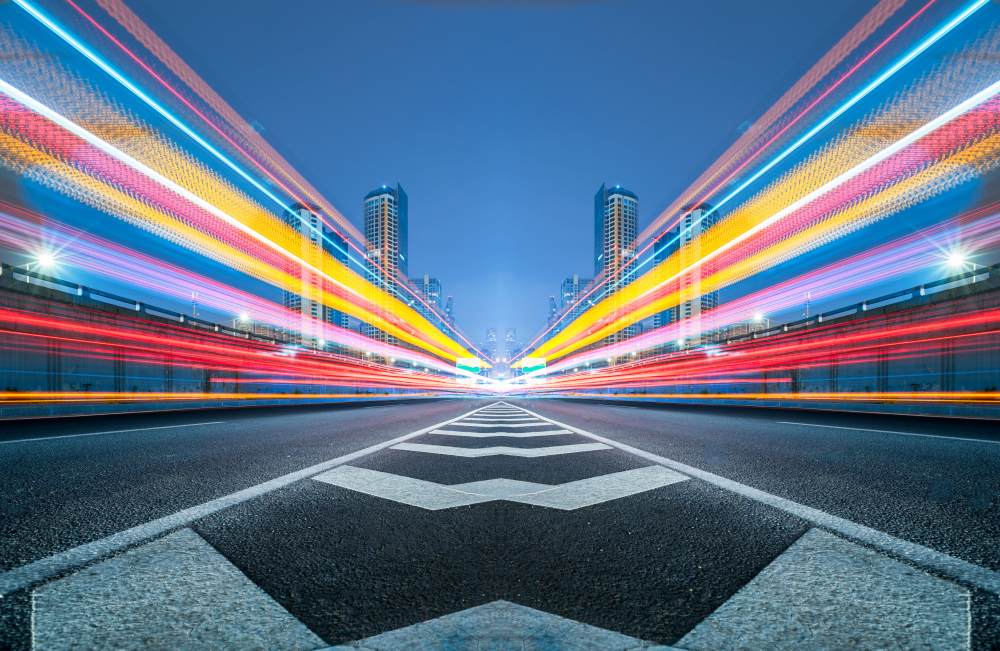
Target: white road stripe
{"type": "Point", "coordinates": [919, 555]}
{"type": "Point", "coordinates": [467, 424]}
{"type": "Point", "coordinates": [486, 435]}
{"type": "Point", "coordinates": [117, 431]}
{"type": "Point", "coordinates": [889, 431]}
{"type": "Point", "coordinates": [500, 450]}
{"type": "Point", "coordinates": [46, 568]}
{"type": "Point", "coordinates": [500, 421]}
{"type": "Point", "coordinates": [567, 497]}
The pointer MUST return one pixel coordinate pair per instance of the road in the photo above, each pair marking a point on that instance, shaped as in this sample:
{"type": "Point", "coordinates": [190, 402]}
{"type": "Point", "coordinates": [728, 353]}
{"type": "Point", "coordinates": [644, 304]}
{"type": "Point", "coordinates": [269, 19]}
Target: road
{"type": "Point", "coordinates": [541, 522]}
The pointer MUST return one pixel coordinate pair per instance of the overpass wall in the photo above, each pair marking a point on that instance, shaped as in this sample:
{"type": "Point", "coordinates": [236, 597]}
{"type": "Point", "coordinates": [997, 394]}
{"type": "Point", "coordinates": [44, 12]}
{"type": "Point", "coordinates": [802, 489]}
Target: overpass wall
{"type": "Point", "coordinates": [109, 349]}
{"type": "Point", "coordinates": [936, 354]}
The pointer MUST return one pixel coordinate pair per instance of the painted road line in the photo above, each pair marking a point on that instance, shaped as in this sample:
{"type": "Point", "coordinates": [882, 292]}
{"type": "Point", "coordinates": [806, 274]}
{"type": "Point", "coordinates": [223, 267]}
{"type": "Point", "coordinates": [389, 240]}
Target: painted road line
{"type": "Point", "coordinates": [486, 435]}
{"type": "Point", "coordinates": [465, 424]}
{"type": "Point", "coordinates": [176, 592]}
{"type": "Point", "coordinates": [889, 431]}
{"type": "Point", "coordinates": [500, 450]}
{"type": "Point", "coordinates": [824, 592]}
{"type": "Point", "coordinates": [940, 562]}
{"type": "Point", "coordinates": [117, 431]}
{"type": "Point", "coordinates": [501, 625]}
{"type": "Point", "coordinates": [47, 568]}
{"type": "Point", "coordinates": [565, 497]}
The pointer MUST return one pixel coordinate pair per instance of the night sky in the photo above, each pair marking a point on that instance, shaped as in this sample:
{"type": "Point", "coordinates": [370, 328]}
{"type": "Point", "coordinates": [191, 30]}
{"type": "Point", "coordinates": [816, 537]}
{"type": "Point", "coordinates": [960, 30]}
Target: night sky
{"type": "Point", "coordinates": [501, 119]}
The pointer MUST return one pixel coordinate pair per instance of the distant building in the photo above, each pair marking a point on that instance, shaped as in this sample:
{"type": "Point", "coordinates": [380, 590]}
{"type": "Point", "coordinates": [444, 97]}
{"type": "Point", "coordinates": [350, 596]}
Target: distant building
{"type": "Point", "coordinates": [254, 328]}
{"type": "Point", "coordinates": [755, 324]}
{"type": "Point", "coordinates": [552, 310]}
{"type": "Point", "coordinates": [571, 290]}
{"type": "Point", "coordinates": [449, 312]}
{"type": "Point", "coordinates": [510, 342]}
{"type": "Point", "coordinates": [491, 342]}
{"type": "Point", "coordinates": [694, 302]}
{"type": "Point", "coordinates": [663, 247]}
{"type": "Point", "coordinates": [616, 226]}
{"type": "Point", "coordinates": [428, 289]}
{"type": "Point", "coordinates": [317, 245]}
{"type": "Point", "coordinates": [386, 229]}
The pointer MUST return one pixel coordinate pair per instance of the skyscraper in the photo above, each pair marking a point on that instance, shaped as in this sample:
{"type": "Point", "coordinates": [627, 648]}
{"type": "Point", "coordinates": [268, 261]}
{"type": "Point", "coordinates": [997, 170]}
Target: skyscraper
{"type": "Point", "coordinates": [572, 287]}
{"type": "Point", "coordinates": [616, 225]}
{"type": "Point", "coordinates": [491, 351]}
{"type": "Point", "coordinates": [449, 311]}
{"type": "Point", "coordinates": [552, 310]}
{"type": "Point", "coordinates": [491, 342]}
{"type": "Point", "coordinates": [684, 242]}
{"type": "Point", "coordinates": [430, 290]}
{"type": "Point", "coordinates": [305, 295]}
{"type": "Point", "coordinates": [510, 342]}
{"type": "Point", "coordinates": [665, 246]}
{"type": "Point", "coordinates": [386, 226]}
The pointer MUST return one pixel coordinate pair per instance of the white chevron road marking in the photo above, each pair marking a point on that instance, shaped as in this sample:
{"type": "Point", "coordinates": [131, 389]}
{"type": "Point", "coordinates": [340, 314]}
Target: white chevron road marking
{"type": "Point", "coordinates": [467, 424]}
{"type": "Point", "coordinates": [566, 497]}
{"type": "Point", "coordinates": [500, 450]}
{"type": "Point", "coordinates": [486, 435]}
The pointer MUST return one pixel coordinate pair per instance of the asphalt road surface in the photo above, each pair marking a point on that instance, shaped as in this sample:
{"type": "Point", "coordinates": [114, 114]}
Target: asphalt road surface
{"type": "Point", "coordinates": [500, 524]}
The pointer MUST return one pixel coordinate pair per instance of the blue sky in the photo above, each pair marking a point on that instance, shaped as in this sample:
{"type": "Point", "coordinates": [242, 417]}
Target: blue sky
{"type": "Point", "coordinates": [501, 119]}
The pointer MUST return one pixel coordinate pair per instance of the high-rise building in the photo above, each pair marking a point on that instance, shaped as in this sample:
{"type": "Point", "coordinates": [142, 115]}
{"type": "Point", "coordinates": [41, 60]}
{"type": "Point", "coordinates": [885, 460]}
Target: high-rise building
{"type": "Point", "coordinates": [336, 245]}
{"type": "Point", "coordinates": [572, 288]}
{"type": "Point", "coordinates": [663, 247]}
{"type": "Point", "coordinates": [616, 225]}
{"type": "Point", "coordinates": [510, 342]}
{"type": "Point", "coordinates": [428, 289]}
{"type": "Point", "coordinates": [317, 245]}
{"type": "Point", "coordinates": [449, 311]}
{"type": "Point", "coordinates": [491, 342]}
{"type": "Point", "coordinates": [386, 229]}
{"type": "Point", "coordinates": [552, 310]}
{"type": "Point", "coordinates": [491, 352]}
{"type": "Point", "coordinates": [683, 242]}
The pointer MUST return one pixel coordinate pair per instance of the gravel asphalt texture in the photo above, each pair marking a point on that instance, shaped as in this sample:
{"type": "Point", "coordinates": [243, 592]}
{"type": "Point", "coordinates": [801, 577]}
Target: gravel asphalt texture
{"type": "Point", "coordinates": [350, 565]}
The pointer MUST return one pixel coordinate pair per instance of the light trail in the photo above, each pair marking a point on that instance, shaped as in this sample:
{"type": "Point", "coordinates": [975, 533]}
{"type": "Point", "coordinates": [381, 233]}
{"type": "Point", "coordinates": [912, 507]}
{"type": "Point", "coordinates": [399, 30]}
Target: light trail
{"type": "Point", "coordinates": [118, 76]}
{"type": "Point", "coordinates": [657, 225]}
{"type": "Point", "coordinates": [557, 346]}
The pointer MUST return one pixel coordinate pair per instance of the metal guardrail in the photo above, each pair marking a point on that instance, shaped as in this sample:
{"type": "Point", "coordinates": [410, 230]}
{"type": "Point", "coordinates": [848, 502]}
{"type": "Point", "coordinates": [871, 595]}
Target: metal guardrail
{"type": "Point", "coordinates": [991, 271]}
{"type": "Point", "coordinates": [140, 307]}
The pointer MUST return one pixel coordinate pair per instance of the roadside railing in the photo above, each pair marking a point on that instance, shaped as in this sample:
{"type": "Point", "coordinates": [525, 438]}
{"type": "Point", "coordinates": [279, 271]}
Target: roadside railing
{"type": "Point", "coordinates": [991, 271]}
{"type": "Point", "coordinates": [140, 307]}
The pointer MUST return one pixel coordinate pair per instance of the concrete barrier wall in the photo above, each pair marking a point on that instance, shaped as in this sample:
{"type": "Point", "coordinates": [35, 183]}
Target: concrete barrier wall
{"type": "Point", "coordinates": [114, 349]}
{"type": "Point", "coordinates": [960, 355]}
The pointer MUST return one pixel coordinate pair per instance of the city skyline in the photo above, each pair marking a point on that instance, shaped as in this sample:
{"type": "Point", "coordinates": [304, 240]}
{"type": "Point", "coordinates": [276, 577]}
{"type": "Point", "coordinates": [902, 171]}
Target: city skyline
{"type": "Point", "coordinates": [435, 150]}
{"type": "Point", "coordinates": [685, 333]}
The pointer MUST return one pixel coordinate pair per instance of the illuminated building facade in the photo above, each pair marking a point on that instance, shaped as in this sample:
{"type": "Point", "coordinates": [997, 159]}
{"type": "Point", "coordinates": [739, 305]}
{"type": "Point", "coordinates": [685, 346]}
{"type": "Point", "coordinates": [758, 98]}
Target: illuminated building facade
{"type": "Point", "coordinates": [305, 294]}
{"type": "Point", "coordinates": [616, 225]}
{"type": "Point", "coordinates": [386, 229]}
